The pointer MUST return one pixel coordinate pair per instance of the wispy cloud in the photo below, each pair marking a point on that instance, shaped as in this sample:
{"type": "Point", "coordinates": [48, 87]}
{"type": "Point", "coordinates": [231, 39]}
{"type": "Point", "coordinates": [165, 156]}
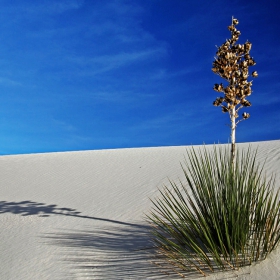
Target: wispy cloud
{"type": "Point", "coordinates": [165, 74]}
{"type": "Point", "coordinates": [63, 125]}
{"type": "Point", "coordinates": [36, 8]}
{"type": "Point", "coordinates": [4, 81]}
{"type": "Point", "coordinates": [104, 63]}
{"type": "Point", "coordinates": [173, 121]}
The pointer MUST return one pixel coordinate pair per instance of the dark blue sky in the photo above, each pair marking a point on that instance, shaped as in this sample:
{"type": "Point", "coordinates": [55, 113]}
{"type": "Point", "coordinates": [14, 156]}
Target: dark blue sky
{"type": "Point", "coordinates": [82, 75]}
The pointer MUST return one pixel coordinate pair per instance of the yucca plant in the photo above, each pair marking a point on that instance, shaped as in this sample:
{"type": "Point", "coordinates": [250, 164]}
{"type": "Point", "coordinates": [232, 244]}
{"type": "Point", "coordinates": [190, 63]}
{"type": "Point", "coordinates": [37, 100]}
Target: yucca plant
{"type": "Point", "coordinates": [223, 217]}
{"type": "Point", "coordinates": [232, 63]}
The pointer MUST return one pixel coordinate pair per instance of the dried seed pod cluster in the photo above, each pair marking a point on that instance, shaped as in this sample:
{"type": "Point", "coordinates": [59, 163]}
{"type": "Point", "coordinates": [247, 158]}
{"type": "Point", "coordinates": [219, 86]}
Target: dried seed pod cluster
{"type": "Point", "coordinates": [232, 63]}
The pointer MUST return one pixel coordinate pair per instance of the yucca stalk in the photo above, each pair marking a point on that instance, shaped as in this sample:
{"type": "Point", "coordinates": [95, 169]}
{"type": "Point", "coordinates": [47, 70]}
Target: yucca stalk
{"type": "Point", "coordinates": [223, 217]}
{"type": "Point", "coordinates": [232, 63]}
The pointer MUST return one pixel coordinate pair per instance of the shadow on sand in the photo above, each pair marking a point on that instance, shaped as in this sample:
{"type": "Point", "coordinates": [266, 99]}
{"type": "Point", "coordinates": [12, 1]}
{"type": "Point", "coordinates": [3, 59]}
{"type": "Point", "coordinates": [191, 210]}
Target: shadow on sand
{"type": "Point", "coordinates": [117, 250]}
{"type": "Point", "coordinates": [112, 252]}
{"type": "Point", "coordinates": [28, 208]}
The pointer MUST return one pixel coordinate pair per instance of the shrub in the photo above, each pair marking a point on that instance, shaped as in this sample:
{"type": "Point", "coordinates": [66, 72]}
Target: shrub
{"type": "Point", "coordinates": [225, 216]}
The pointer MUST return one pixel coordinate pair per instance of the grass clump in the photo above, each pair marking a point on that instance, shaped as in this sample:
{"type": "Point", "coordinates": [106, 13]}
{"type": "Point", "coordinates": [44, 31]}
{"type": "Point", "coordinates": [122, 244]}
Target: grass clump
{"type": "Point", "coordinates": [225, 216]}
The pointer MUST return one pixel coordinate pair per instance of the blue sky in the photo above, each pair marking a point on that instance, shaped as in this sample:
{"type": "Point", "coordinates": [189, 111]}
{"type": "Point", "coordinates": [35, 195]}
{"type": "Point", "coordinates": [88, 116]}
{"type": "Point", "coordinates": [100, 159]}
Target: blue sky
{"type": "Point", "coordinates": [102, 74]}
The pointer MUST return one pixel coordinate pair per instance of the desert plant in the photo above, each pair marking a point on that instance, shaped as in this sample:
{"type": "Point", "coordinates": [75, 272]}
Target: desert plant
{"type": "Point", "coordinates": [232, 64]}
{"type": "Point", "coordinates": [223, 217]}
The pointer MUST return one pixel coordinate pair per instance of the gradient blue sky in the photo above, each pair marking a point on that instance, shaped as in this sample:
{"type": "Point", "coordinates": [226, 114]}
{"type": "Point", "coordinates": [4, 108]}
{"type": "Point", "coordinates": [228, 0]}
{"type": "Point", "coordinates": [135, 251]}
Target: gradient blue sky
{"type": "Point", "coordinates": [99, 74]}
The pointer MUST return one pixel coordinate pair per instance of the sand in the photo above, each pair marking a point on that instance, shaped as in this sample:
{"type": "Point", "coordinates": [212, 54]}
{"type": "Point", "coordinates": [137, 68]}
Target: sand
{"type": "Point", "coordinates": [80, 215]}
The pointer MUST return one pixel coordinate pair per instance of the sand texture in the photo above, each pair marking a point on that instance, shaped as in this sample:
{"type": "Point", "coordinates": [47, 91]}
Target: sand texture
{"type": "Point", "coordinates": [80, 215]}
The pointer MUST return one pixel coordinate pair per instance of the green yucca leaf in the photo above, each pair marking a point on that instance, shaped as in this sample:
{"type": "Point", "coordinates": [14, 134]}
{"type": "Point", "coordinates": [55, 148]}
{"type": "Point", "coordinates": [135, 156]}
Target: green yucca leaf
{"type": "Point", "coordinates": [224, 216]}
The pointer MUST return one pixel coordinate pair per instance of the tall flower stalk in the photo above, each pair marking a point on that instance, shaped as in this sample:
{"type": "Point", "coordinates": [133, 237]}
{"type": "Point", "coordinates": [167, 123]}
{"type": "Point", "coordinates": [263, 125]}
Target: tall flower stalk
{"type": "Point", "coordinates": [232, 63]}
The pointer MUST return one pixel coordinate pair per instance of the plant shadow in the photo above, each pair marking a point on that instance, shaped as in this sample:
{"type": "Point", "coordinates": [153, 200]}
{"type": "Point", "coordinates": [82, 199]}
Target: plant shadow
{"type": "Point", "coordinates": [117, 250]}
{"type": "Point", "coordinates": [28, 208]}
{"type": "Point", "coordinates": [112, 252]}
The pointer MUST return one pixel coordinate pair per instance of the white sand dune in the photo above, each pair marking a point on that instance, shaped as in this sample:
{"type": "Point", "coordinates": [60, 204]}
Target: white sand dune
{"type": "Point", "coordinates": [79, 215]}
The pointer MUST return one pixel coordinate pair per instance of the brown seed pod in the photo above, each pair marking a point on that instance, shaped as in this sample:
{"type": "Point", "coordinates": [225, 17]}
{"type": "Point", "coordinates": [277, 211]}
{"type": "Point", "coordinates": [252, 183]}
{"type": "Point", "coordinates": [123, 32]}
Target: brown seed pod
{"type": "Point", "coordinates": [237, 74]}
{"type": "Point", "coordinates": [218, 101]}
{"type": "Point", "coordinates": [246, 103]}
{"type": "Point", "coordinates": [228, 55]}
{"type": "Point", "coordinates": [237, 33]}
{"type": "Point", "coordinates": [251, 62]}
{"type": "Point", "coordinates": [247, 46]}
{"type": "Point", "coordinates": [236, 102]}
{"type": "Point", "coordinates": [248, 91]}
{"type": "Point", "coordinates": [244, 76]}
{"type": "Point", "coordinates": [245, 115]}
{"type": "Point", "coordinates": [244, 64]}
{"type": "Point", "coordinates": [214, 69]}
{"type": "Point", "coordinates": [218, 87]}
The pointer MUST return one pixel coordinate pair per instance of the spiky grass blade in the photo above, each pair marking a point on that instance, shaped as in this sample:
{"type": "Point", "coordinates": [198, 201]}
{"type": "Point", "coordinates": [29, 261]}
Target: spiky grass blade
{"type": "Point", "coordinates": [226, 216]}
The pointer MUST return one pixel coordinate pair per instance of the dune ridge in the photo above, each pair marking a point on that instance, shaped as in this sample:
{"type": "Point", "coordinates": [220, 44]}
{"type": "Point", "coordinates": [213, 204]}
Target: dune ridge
{"type": "Point", "coordinates": [79, 215]}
